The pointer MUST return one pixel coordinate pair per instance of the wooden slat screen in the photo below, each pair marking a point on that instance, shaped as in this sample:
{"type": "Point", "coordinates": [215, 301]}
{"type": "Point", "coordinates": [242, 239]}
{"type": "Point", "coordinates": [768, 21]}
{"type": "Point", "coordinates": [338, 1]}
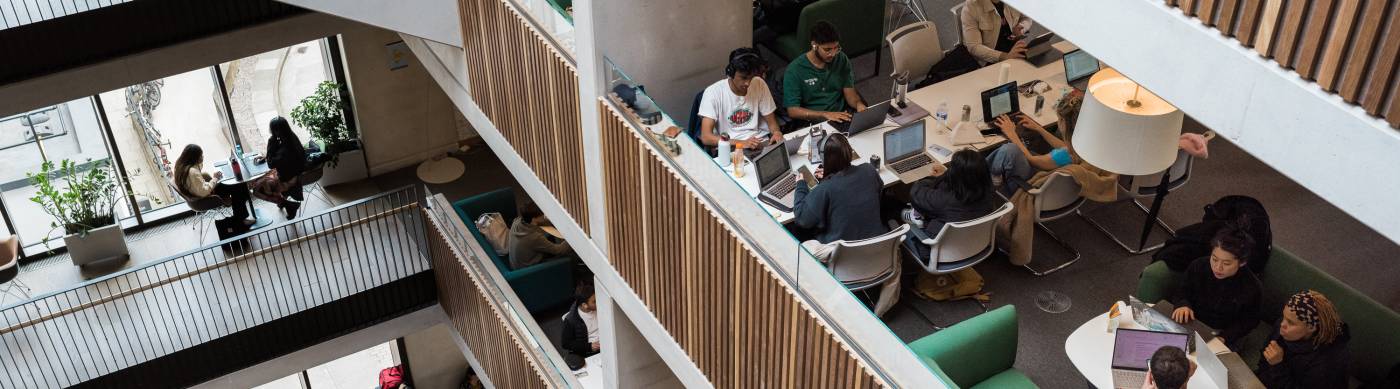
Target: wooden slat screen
{"type": "Point", "coordinates": [483, 327]}
{"type": "Point", "coordinates": [530, 92]}
{"type": "Point", "coordinates": [1349, 47]}
{"type": "Point", "coordinates": [721, 302]}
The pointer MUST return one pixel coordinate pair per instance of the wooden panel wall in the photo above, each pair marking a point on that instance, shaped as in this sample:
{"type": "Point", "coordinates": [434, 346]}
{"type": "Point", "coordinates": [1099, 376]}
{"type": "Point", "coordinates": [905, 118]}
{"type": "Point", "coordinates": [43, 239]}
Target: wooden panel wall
{"type": "Point", "coordinates": [530, 92]}
{"type": "Point", "coordinates": [481, 325]}
{"type": "Point", "coordinates": [1349, 47]}
{"type": "Point", "coordinates": [721, 302]}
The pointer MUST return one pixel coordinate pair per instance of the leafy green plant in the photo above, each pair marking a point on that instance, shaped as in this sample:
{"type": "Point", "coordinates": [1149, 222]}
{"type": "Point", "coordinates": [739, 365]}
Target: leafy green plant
{"type": "Point", "coordinates": [323, 114]}
{"type": "Point", "coordinates": [86, 201]}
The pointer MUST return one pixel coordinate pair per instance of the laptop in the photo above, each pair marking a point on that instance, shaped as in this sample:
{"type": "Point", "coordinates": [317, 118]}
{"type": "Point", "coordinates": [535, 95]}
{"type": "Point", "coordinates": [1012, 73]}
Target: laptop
{"type": "Point", "coordinates": [794, 143]}
{"type": "Point", "coordinates": [998, 101]}
{"type": "Point", "coordinates": [1131, 350]}
{"type": "Point", "coordinates": [775, 178]}
{"type": "Point", "coordinates": [1165, 308]}
{"type": "Point", "coordinates": [1040, 52]}
{"type": "Point", "coordinates": [870, 118]}
{"type": "Point", "coordinates": [1079, 66]}
{"type": "Point", "coordinates": [1211, 365]}
{"type": "Point", "coordinates": [904, 152]}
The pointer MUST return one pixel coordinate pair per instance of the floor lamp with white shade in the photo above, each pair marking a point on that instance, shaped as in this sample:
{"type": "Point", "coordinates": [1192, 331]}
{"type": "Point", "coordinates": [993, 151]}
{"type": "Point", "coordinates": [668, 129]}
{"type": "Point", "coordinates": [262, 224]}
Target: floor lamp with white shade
{"type": "Point", "coordinates": [1125, 129]}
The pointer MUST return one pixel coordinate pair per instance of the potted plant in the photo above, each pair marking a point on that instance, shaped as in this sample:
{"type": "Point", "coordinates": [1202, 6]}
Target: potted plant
{"type": "Point", "coordinates": [83, 206]}
{"type": "Point", "coordinates": [323, 115]}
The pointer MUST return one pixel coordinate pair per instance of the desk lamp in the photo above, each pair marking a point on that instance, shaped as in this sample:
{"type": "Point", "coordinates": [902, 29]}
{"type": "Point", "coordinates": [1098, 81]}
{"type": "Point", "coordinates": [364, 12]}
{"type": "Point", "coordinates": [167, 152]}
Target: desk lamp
{"type": "Point", "coordinates": [1125, 129]}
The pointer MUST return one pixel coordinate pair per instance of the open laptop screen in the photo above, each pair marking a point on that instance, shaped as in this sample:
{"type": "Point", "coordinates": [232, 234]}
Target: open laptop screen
{"type": "Point", "coordinates": [999, 101]}
{"type": "Point", "coordinates": [772, 165]}
{"type": "Point", "coordinates": [1132, 348]}
{"type": "Point", "coordinates": [1079, 64]}
{"type": "Point", "coordinates": [905, 141]}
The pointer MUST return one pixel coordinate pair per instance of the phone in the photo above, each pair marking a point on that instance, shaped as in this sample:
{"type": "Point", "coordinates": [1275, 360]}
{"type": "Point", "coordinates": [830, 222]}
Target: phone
{"type": "Point", "coordinates": [807, 176]}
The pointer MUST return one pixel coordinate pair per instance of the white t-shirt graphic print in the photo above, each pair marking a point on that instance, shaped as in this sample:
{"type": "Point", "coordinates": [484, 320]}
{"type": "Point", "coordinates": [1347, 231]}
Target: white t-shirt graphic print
{"type": "Point", "coordinates": [739, 116]}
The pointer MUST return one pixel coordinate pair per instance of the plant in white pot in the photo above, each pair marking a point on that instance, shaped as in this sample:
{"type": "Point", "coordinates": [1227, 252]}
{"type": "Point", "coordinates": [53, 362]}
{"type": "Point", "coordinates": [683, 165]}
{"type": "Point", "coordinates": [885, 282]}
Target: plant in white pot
{"type": "Point", "coordinates": [82, 205]}
{"type": "Point", "coordinates": [323, 115]}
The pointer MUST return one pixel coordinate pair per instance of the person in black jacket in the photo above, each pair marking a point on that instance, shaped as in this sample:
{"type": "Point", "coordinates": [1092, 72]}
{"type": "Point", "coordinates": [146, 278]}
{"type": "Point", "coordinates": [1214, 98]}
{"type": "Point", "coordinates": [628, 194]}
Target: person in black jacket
{"type": "Point", "coordinates": [1219, 290]}
{"type": "Point", "coordinates": [844, 206]}
{"type": "Point", "coordinates": [580, 332]}
{"type": "Point", "coordinates": [1310, 348]}
{"type": "Point", "coordinates": [287, 156]}
{"type": "Point", "coordinates": [1193, 241]}
{"type": "Point", "coordinates": [964, 192]}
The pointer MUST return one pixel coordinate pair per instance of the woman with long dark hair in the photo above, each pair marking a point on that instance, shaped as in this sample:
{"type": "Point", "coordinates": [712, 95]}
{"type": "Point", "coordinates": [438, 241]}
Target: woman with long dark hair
{"type": "Point", "coordinates": [193, 183]}
{"type": "Point", "coordinates": [287, 157]}
{"type": "Point", "coordinates": [845, 205]}
{"type": "Point", "coordinates": [963, 192]}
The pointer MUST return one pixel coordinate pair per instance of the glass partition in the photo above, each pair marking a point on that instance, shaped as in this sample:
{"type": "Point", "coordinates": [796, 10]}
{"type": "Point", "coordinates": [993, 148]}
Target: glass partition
{"type": "Point", "coordinates": [732, 193]}
{"type": "Point", "coordinates": [554, 18]}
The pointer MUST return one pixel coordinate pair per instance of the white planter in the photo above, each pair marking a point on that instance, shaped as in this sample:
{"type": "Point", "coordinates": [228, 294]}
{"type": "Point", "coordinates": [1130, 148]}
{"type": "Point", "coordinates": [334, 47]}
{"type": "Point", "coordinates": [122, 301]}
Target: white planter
{"type": "Point", "coordinates": [98, 245]}
{"type": "Point", "coordinates": [351, 167]}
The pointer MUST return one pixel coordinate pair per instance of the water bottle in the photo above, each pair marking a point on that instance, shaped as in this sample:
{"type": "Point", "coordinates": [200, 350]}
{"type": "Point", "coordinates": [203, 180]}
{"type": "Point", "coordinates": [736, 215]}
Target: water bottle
{"type": "Point", "coordinates": [942, 114]}
{"type": "Point", "coordinates": [722, 153]}
{"type": "Point", "coordinates": [814, 145]}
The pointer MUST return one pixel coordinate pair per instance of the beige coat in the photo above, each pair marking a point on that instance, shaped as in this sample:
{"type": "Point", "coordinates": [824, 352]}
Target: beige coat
{"type": "Point", "coordinates": [980, 25]}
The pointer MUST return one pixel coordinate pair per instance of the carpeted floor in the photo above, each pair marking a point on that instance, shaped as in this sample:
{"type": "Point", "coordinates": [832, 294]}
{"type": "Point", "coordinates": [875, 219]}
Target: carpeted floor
{"type": "Point", "coordinates": [1302, 222]}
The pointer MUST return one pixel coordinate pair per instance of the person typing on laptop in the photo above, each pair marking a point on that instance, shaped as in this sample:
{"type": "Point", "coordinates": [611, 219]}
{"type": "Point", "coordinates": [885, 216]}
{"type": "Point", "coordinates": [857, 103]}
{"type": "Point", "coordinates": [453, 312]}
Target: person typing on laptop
{"type": "Point", "coordinates": [1013, 161]}
{"type": "Point", "coordinates": [845, 205]}
{"type": "Point", "coordinates": [738, 106]}
{"type": "Point", "coordinates": [1169, 369]}
{"type": "Point", "coordinates": [1219, 290]}
{"type": "Point", "coordinates": [820, 85]}
{"type": "Point", "coordinates": [992, 31]}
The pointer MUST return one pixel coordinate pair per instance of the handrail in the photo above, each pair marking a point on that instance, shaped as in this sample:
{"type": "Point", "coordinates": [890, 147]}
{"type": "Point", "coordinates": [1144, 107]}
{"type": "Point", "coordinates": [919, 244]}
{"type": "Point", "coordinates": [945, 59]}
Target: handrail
{"type": "Point", "coordinates": [548, 37]}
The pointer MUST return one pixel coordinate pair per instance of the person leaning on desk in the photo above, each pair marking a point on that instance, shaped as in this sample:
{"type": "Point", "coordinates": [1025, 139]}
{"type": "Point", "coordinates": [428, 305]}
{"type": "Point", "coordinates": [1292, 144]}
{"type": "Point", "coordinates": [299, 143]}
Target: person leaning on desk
{"type": "Point", "coordinates": [844, 206]}
{"type": "Point", "coordinates": [992, 31]}
{"type": "Point", "coordinates": [820, 85]}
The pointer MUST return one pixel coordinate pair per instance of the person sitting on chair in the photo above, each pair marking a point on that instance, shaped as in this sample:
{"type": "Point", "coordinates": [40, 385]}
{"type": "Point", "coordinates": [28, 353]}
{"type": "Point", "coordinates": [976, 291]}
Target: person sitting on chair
{"type": "Point", "coordinates": [287, 157]}
{"type": "Point", "coordinates": [992, 31]}
{"type": "Point", "coordinates": [1169, 369]}
{"type": "Point", "coordinates": [963, 192]}
{"type": "Point", "coordinates": [580, 331]}
{"type": "Point", "coordinates": [1309, 350]}
{"type": "Point", "coordinates": [529, 244]}
{"type": "Point", "coordinates": [193, 183]}
{"type": "Point", "coordinates": [1013, 161]}
{"type": "Point", "coordinates": [739, 107]}
{"type": "Point", "coordinates": [820, 85]}
{"type": "Point", "coordinates": [1219, 290]}
{"type": "Point", "coordinates": [844, 206]}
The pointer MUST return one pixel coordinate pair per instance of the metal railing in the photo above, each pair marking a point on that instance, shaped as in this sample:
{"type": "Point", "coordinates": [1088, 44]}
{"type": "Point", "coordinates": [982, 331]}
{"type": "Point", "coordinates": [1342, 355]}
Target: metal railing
{"type": "Point", "coordinates": [15, 13]}
{"type": "Point", "coordinates": [157, 309]}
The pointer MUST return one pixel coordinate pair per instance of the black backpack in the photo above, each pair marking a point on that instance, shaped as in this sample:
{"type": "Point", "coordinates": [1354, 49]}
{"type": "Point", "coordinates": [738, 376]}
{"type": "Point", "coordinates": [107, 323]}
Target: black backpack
{"type": "Point", "coordinates": [1193, 241]}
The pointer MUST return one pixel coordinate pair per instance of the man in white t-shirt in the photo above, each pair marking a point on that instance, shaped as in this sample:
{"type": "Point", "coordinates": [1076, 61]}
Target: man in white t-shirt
{"type": "Point", "coordinates": [740, 105]}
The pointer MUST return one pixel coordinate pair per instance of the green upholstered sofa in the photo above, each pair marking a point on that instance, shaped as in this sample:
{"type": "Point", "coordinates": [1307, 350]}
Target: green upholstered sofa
{"type": "Point", "coordinates": [976, 353]}
{"type": "Point", "coordinates": [861, 24]}
{"type": "Point", "coordinates": [1375, 329]}
{"type": "Point", "coordinates": [545, 285]}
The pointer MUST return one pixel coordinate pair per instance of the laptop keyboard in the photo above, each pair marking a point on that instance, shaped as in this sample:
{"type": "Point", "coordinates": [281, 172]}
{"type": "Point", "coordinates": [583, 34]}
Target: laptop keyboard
{"type": "Point", "coordinates": [908, 164]}
{"type": "Point", "coordinates": [1128, 379]}
{"type": "Point", "coordinates": [843, 127]}
{"type": "Point", "coordinates": [783, 187]}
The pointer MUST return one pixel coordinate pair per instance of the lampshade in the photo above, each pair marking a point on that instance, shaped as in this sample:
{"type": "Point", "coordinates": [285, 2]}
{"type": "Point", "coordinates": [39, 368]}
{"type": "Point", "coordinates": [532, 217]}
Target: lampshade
{"type": "Point", "coordinates": [1125, 129]}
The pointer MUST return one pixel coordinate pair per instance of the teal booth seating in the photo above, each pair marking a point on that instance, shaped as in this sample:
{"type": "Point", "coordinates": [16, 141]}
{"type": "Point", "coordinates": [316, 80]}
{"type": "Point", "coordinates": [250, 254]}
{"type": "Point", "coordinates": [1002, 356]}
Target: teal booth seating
{"type": "Point", "coordinates": [1375, 329]}
{"type": "Point", "coordinates": [541, 287]}
{"type": "Point", "coordinates": [976, 353]}
{"type": "Point", "coordinates": [860, 23]}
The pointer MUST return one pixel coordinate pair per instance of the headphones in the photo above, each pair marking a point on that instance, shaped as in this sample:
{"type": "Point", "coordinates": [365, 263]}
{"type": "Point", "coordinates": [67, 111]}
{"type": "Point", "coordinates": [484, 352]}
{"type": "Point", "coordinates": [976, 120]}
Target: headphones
{"type": "Point", "coordinates": [737, 57]}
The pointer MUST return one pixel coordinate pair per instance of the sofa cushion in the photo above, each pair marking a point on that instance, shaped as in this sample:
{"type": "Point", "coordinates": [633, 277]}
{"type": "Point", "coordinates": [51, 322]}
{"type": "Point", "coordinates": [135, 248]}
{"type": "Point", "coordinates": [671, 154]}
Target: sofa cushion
{"type": "Point", "coordinates": [974, 350]}
{"type": "Point", "coordinates": [1008, 379]}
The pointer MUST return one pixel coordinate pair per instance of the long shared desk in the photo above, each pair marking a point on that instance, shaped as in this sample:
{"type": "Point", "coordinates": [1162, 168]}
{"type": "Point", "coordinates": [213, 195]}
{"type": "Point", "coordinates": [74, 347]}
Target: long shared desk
{"type": "Point", "coordinates": [956, 92]}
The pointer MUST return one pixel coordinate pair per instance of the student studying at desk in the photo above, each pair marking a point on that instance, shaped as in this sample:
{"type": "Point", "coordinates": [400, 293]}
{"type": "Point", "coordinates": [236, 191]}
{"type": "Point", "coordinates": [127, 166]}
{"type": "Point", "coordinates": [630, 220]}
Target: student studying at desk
{"type": "Point", "coordinates": [992, 31]}
{"type": "Point", "coordinates": [737, 106]}
{"type": "Point", "coordinates": [844, 206]}
{"type": "Point", "coordinates": [820, 85]}
{"type": "Point", "coordinates": [1219, 290]}
{"type": "Point", "coordinates": [963, 192]}
{"type": "Point", "coordinates": [1014, 161]}
{"type": "Point", "coordinates": [1169, 369]}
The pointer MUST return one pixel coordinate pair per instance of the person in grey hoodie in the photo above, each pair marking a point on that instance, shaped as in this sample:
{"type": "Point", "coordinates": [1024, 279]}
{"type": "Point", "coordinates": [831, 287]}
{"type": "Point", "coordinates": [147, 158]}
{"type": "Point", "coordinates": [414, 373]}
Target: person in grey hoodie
{"type": "Point", "coordinates": [529, 244]}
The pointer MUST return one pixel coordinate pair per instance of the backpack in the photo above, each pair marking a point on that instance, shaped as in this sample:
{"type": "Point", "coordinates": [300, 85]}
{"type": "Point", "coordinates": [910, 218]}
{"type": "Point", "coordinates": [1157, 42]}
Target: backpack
{"type": "Point", "coordinates": [955, 62]}
{"type": "Point", "coordinates": [391, 377]}
{"type": "Point", "coordinates": [1193, 241]}
{"type": "Point", "coordinates": [962, 284]}
{"type": "Point", "coordinates": [493, 226]}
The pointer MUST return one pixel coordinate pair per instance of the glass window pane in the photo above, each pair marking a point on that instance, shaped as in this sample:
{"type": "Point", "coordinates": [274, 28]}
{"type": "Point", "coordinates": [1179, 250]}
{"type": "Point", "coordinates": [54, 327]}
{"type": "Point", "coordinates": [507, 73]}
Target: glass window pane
{"type": "Point", "coordinates": [271, 84]}
{"type": "Point", "coordinates": [182, 109]}
{"type": "Point", "coordinates": [289, 382]}
{"type": "Point", "coordinates": [69, 131]}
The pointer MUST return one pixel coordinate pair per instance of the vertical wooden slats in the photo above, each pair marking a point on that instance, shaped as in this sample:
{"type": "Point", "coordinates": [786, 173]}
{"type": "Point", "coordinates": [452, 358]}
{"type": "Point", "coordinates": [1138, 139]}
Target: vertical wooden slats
{"type": "Point", "coordinates": [530, 93]}
{"type": "Point", "coordinates": [1349, 47]}
{"type": "Point", "coordinates": [480, 324]}
{"type": "Point", "coordinates": [733, 316]}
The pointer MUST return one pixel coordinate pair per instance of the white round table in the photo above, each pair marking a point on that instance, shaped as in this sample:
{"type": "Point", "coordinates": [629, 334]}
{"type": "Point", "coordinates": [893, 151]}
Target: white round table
{"type": "Point", "coordinates": [1090, 349]}
{"type": "Point", "coordinates": [441, 170]}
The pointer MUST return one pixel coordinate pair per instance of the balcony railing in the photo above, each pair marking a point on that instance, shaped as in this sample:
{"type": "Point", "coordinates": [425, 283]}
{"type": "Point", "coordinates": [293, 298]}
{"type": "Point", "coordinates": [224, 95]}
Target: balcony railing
{"type": "Point", "coordinates": [194, 316]}
{"type": "Point", "coordinates": [1349, 47]}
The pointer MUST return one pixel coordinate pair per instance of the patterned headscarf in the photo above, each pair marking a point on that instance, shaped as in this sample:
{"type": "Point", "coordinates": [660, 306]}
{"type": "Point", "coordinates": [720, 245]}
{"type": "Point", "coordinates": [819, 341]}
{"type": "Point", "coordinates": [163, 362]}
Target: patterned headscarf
{"type": "Point", "coordinates": [1303, 305]}
{"type": "Point", "coordinates": [1314, 309]}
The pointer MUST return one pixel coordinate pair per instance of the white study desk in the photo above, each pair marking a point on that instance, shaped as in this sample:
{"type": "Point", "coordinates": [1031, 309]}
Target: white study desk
{"type": "Point", "coordinates": [1090, 349]}
{"type": "Point", "coordinates": [965, 89]}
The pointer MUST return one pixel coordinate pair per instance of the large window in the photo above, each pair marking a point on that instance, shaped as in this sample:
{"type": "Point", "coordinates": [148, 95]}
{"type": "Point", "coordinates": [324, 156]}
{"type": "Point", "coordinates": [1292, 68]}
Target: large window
{"type": "Point", "coordinates": [67, 131]}
{"type": "Point", "coordinates": [141, 130]}
{"type": "Point", "coordinates": [358, 370]}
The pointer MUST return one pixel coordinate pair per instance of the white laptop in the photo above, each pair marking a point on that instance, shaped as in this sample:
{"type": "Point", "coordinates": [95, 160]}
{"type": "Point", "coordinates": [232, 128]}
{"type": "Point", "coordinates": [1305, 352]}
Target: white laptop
{"type": "Point", "coordinates": [904, 152]}
{"type": "Point", "coordinates": [775, 177]}
{"type": "Point", "coordinates": [1131, 350]}
{"type": "Point", "coordinates": [1210, 364]}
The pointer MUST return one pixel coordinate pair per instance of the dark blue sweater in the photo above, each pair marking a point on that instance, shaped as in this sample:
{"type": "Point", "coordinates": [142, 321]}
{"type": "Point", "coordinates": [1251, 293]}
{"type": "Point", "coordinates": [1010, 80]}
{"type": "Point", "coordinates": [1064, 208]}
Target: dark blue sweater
{"type": "Point", "coordinates": [845, 206]}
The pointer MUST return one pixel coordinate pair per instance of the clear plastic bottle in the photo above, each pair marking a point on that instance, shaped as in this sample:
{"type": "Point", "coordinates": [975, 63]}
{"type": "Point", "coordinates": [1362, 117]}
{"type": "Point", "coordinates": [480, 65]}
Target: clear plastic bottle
{"type": "Point", "coordinates": [942, 114]}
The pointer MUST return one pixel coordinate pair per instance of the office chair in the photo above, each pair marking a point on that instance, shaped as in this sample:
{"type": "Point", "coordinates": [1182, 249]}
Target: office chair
{"type": "Point", "coordinates": [9, 269]}
{"type": "Point", "coordinates": [1057, 198]}
{"type": "Point", "coordinates": [862, 264]}
{"type": "Point", "coordinates": [310, 181]}
{"type": "Point", "coordinates": [914, 49]}
{"type": "Point", "coordinates": [1134, 188]}
{"type": "Point", "coordinates": [206, 209]}
{"type": "Point", "coordinates": [959, 245]}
